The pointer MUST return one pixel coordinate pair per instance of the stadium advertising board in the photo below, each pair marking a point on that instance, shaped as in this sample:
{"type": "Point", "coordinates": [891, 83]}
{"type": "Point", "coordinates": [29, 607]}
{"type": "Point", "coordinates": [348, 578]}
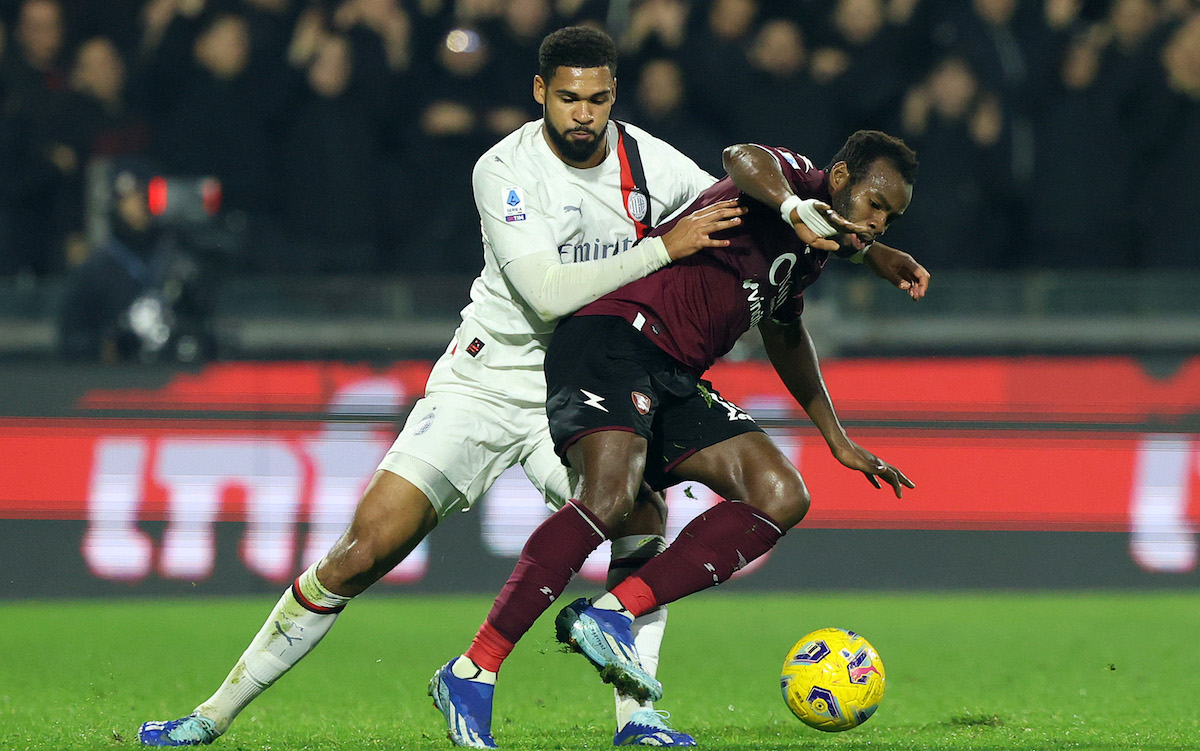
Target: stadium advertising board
{"type": "Point", "coordinates": [143, 483]}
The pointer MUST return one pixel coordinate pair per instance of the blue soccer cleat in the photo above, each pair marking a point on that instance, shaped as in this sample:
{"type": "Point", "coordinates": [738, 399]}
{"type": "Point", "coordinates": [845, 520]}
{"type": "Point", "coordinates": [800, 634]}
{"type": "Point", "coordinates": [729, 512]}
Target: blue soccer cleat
{"type": "Point", "coordinates": [467, 707]}
{"type": "Point", "coordinates": [605, 638]}
{"type": "Point", "coordinates": [648, 727]}
{"type": "Point", "coordinates": [192, 730]}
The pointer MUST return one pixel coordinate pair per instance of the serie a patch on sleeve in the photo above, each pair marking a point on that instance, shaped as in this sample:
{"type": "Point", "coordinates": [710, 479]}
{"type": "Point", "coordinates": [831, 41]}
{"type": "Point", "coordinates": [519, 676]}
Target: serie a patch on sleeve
{"type": "Point", "coordinates": [514, 204]}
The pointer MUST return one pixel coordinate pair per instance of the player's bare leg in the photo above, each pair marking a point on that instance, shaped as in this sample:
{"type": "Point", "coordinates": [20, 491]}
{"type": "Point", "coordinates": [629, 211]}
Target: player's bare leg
{"type": "Point", "coordinates": [766, 487]}
{"type": "Point", "coordinates": [611, 464]}
{"type": "Point", "coordinates": [767, 497]}
{"type": "Point", "coordinates": [750, 468]}
{"type": "Point", "coordinates": [463, 687]}
{"type": "Point", "coordinates": [392, 518]}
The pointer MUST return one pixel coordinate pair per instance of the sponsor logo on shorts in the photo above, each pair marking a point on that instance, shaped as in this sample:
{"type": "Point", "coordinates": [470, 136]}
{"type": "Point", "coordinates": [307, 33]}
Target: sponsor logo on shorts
{"type": "Point", "coordinates": [641, 402]}
{"type": "Point", "coordinates": [593, 400]}
{"type": "Point", "coordinates": [474, 347]}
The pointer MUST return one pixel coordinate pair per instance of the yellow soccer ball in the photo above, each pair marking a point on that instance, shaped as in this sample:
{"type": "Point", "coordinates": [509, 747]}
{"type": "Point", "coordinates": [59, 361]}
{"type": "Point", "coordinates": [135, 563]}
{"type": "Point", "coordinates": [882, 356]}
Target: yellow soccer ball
{"type": "Point", "coordinates": [833, 680]}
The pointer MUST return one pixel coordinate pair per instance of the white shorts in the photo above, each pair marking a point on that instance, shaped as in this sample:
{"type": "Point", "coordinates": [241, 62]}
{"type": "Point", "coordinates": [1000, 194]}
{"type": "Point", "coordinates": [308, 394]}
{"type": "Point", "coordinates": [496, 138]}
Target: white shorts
{"type": "Point", "coordinates": [454, 446]}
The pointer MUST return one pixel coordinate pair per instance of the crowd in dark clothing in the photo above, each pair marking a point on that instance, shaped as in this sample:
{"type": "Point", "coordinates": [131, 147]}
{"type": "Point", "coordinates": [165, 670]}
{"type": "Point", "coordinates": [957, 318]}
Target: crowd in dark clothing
{"type": "Point", "coordinates": [1052, 133]}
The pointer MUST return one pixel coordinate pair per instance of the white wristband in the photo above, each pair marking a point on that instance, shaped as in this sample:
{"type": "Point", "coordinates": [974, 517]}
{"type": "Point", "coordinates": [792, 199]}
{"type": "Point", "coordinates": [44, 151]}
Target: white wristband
{"type": "Point", "coordinates": [806, 209]}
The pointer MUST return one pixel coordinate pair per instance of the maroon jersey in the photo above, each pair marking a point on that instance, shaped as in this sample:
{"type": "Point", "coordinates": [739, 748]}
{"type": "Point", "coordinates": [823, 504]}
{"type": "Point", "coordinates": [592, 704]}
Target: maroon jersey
{"type": "Point", "coordinates": [696, 309]}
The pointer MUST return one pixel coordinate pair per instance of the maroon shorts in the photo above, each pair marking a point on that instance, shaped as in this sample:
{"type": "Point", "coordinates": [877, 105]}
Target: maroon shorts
{"type": "Point", "coordinates": [603, 374]}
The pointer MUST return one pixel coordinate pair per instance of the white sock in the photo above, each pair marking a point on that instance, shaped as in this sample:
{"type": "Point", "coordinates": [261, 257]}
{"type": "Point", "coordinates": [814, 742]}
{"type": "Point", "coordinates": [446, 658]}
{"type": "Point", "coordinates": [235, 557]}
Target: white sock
{"type": "Point", "coordinates": [607, 601]}
{"type": "Point", "coordinates": [648, 630]}
{"type": "Point", "coordinates": [290, 632]}
{"type": "Point", "coordinates": [628, 554]}
{"type": "Point", "coordinates": [465, 667]}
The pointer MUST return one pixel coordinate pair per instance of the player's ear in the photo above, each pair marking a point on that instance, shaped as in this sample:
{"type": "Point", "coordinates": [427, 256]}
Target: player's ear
{"type": "Point", "coordinates": [539, 90]}
{"type": "Point", "coordinates": [839, 177]}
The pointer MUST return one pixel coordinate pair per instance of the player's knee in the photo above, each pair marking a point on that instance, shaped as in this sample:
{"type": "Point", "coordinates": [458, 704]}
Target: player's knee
{"type": "Point", "coordinates": [611, 503]}
{"type": "Point", "coordinates": [651, 505]}
{"type": "Point", "coordinates": [801, 501]}
{"type": "Point", "coordinates": [784, 496]}
{"type": "Point", "coordinates": [611, 493]}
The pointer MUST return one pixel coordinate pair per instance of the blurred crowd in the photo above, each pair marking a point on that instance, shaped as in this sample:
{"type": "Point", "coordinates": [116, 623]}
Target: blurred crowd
{"type": "Point", "coordinates": [1052, 133]}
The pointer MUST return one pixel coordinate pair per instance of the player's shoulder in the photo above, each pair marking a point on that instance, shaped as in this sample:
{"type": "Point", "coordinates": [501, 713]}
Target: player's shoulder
{"type": "Point", "coordinates": [511, 153]}
{"type": "Point", "coordinates": [647, 140]}
{"type": "Point", "coordinates": [789, 157]}
{"type": "Point", "coordinates": [666, 165]}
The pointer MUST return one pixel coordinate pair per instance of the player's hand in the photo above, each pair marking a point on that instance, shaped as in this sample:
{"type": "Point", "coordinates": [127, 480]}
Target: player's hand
{"type": "Point", "coordinates": [858, 458]}
{"type": "Point", "coordinates": [692, 233]}
{"type": "Point", "coordinates": [899, 268]}
{"type": "Point", "coordinates": [855, 235]}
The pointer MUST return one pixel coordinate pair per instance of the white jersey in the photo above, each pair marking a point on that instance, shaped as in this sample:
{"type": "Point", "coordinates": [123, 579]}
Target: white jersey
{"type": "Point", "coordinates": [529, 201]}
{"type": "Point", "coordinates": [484, 405]}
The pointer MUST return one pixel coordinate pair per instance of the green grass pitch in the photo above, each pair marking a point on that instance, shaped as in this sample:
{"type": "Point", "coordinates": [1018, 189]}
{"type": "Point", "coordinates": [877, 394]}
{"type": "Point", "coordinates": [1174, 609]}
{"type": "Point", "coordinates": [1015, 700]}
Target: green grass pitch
{"type": "Point", "coordinates": [983, 671]}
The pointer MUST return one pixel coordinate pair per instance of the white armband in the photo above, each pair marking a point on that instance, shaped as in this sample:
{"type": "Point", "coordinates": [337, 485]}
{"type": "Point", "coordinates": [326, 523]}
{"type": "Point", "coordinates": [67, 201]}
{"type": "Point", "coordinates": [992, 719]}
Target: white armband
{"type": "Point", "coordinates": [808, 213]}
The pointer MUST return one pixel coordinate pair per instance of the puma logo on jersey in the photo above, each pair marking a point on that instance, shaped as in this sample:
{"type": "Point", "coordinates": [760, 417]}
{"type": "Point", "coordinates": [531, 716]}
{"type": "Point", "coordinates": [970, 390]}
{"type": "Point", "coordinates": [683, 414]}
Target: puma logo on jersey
{"type": "Point", "coordinates": [593, 400]}
{"type": "Point", "coordinates": [569, 209]}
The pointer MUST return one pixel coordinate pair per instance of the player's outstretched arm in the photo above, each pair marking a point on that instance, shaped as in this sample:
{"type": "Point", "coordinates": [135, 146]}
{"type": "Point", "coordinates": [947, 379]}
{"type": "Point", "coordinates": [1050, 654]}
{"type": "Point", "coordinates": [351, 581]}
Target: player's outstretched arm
{"type": "Point", "coordinates": [553, 289]}
{"type": "Point", "coordinates": [899, 268]}
{"type": "Point", "coordinates": [757, 173]}
{"type": "Point", "coordinates": [791, 352]}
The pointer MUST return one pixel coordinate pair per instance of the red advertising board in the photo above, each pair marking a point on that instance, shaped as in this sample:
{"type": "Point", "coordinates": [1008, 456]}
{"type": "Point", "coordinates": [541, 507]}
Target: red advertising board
{"type": "Point", "coordinates": [1025, 444]}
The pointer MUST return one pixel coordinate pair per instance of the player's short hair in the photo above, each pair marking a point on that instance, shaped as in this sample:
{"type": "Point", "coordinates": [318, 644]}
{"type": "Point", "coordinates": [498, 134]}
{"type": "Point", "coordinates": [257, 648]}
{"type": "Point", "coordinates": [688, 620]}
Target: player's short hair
{"type": "Point", "coordinates": [863, 147]}
{"type": "Point", "coordinates": [576, 47]}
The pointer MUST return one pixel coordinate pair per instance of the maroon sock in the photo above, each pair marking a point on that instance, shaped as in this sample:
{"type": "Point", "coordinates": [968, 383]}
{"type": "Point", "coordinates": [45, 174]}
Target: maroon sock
{"type": "Point", "coordinates": [553, 554]}
{"type": "Point", "coordinates": [707, 552]}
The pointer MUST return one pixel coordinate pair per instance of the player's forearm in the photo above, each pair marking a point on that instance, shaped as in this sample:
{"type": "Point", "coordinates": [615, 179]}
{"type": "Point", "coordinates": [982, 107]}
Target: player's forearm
{"type": "Point", "coordinates": [552, 289]}
{"type": "Point", "coordinates": [791, 352]}
{"type": "Point", "coordinates": [875, 256]}
{"type": "Point", "coordinates": [756, 173]}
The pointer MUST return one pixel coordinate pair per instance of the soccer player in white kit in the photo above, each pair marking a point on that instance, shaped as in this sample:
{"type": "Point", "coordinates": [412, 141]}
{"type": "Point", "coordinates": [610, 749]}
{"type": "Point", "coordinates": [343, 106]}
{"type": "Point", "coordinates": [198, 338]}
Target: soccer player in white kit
{"type": "Point", "coordinates": [563, 203]}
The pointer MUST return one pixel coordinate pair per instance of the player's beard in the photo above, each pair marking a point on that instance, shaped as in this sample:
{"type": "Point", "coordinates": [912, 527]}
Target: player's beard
{"type": "Point", "coordinates": [574, 150]}
{"type": "Point", "coordinates": [841, 204]}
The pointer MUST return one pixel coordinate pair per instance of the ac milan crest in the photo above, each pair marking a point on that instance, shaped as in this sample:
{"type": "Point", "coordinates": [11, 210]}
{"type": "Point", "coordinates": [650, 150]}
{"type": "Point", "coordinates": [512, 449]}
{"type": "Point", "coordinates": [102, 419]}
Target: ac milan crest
{"type": "Point", "coordinates": [637, 205]}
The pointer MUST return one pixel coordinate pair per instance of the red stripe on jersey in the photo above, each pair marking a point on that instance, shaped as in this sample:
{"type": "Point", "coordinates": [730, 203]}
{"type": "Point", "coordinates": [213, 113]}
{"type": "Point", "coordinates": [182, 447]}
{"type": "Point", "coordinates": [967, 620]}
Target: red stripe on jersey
{"type": "Point", "coordinates": [628, 186]}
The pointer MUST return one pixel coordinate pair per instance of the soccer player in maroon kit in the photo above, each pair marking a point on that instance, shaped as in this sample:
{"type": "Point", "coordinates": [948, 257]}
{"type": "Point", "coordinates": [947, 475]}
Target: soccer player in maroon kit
{"type": "Point", "coordinates": [625, 397]}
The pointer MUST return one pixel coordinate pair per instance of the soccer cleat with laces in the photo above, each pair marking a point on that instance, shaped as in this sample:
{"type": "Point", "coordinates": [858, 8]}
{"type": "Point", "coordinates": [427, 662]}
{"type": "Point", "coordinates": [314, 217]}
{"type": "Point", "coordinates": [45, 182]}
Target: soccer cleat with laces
{"type": "Point", "coordinates": [192, 730]}
{"type": "Point", "coordinates": [604, 637]}
{"type": "Point", "coordinates": [648, 727]}
{"type": "Point", "coordinates": [466, 705]}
